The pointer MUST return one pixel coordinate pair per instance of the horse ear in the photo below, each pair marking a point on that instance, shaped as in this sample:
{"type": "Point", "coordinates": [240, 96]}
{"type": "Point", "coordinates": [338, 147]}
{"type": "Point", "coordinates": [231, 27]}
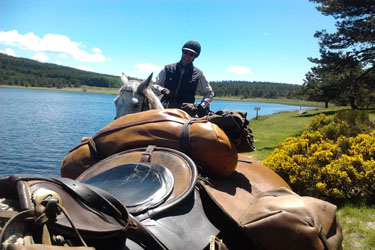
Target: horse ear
{"type": "Point", "coordinates": [124, 79]}
{"type": "Point", "coordinates": [145, 84]}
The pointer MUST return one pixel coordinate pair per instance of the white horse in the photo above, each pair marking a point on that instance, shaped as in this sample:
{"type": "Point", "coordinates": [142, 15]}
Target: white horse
{"type": "Point", "coordinates": [135, 96]}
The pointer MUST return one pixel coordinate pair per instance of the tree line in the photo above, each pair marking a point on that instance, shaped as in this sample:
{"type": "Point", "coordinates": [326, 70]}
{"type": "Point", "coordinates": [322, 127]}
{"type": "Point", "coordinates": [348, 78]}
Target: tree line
{"type": "Point", "coordinates": [245, 89]}
{"type": "Point", "coordinates": [30, 73]}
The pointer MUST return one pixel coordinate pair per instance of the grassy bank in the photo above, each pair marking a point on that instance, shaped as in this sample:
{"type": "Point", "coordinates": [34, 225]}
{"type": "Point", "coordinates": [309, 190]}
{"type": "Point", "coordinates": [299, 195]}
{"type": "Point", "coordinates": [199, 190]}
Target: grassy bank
{"type": "Point", "coordinates": [279, 101]}
{"type": "Point", "coordinates": [270, 130]}
{"type": "Point", "coordinates": [357, 218]}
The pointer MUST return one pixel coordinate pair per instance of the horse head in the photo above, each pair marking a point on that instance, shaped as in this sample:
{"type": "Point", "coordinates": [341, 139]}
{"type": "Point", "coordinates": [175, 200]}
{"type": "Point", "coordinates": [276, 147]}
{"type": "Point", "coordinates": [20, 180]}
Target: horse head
{"type": "Point", "coordinates": [135, 96]}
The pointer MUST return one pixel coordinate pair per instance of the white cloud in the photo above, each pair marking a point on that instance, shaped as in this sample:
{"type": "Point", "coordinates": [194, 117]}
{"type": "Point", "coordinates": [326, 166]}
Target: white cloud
{"type": "Point", "coordinates": [50, 43]}
{"type": "Point", "coordinates": [10, 52]}
{"type": "Point", "coordinates": [63, 55]}
{"type": "Point", "coordinates": [41, 57]}
{"type": "Point", "coordinates": [131, 74]}
{"type": "Point", "coordinates": [83, 67]}
{"type": "Point", "coordinates": [147, 67]}
{"type": "Point", "coordinates": [239, 70]}
{"type": "Point", "coordinates": [59, 62]}
{"type": "Point", "coordinates": [96, 50]}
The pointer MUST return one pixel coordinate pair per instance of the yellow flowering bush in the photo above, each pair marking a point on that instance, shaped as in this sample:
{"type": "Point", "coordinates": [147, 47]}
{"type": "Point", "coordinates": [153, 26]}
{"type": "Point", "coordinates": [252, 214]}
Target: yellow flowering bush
{"type": "Point", "coordinates": [326, 161]}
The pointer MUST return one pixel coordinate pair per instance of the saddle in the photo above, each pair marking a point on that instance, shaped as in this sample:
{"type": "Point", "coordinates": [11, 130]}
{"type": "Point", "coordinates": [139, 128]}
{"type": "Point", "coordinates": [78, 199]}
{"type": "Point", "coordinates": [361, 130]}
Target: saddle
{"type": "Point", "coordinates": [172, 204]}
{"type": "Point", "coordinates": [156, 184]}
{"type": "Point", "coordinates": [178, 220]}
{"type": "Point", "coordinates": [245, 209]}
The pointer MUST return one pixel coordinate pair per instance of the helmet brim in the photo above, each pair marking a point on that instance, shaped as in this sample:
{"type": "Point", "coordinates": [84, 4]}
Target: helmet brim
{"type": "Point", "coordinates": [191, 51]}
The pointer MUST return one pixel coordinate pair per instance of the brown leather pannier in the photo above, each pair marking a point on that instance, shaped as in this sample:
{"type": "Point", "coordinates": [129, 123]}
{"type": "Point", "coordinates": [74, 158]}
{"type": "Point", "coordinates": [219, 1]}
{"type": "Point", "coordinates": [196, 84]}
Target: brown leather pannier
{"type": "Point", "coordinates": [203, 141]}
{"type": "Point", "coordinates": [278, 218]}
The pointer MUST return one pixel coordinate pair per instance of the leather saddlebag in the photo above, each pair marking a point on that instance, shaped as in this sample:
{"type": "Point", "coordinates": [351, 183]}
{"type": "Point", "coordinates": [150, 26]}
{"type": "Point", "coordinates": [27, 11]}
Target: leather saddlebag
{"type": "Point", "coordinates": [280, 219]}
{"type": "Point", "coordinates": [203, 141]}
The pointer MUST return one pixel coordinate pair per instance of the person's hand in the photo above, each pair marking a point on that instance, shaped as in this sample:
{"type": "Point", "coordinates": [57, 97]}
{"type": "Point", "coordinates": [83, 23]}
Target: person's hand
{"type": "Point", "coordinates": [166, 91]}
{"type": "Point", "coordinates": [168, 94]}
{"type": "Point", "coordinates": [202, 111]}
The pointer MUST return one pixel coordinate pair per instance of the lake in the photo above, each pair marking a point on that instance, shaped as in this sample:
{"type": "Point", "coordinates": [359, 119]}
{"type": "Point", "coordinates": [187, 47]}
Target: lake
{"type": "Point", "coordinates": [38, 127]}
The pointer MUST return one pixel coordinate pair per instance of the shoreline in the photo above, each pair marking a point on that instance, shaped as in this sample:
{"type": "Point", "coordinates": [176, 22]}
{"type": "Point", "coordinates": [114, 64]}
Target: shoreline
{"type": "Point", "coordinates": [114, 91]}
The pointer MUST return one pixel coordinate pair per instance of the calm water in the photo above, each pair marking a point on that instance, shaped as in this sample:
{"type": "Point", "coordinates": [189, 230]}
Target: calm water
{"type": "Point", "coordinates": [38, 128]}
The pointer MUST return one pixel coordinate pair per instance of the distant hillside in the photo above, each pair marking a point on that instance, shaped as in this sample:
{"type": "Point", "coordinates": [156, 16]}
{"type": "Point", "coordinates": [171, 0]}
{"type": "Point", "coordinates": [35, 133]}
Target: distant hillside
{"type": "Point", "coordinates": [31, 73]}
{"type": "Point", "coordinates": [26, 72]}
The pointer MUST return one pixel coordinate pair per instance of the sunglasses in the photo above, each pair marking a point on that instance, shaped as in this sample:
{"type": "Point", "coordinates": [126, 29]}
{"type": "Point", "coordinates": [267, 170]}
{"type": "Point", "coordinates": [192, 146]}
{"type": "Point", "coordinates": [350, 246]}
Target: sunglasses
{"type": "Point", "coordinates": [185, 52]}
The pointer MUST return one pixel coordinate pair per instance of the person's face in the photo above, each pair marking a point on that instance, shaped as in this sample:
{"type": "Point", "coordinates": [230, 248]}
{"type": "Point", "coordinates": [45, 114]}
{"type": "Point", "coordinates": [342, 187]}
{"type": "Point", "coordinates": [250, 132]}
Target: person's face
{"type": "Point", "coordinates": [187, 57]}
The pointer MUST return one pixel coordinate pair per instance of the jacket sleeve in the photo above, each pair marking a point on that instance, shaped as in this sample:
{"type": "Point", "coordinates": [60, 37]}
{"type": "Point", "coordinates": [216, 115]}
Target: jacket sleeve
{"type": "Point", "coordinates": [158, 85]}
{"type": "Point", "coordinates": [206, 91]}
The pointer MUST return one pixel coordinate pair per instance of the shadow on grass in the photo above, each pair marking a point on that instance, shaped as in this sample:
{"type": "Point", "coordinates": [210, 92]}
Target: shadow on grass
{"type": "Point", "coordinates": [315, 114]}
{"type": "Point", "coordinates": [266, 148]}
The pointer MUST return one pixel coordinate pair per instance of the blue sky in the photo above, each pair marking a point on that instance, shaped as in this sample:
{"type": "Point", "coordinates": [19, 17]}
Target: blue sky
{"type": "Point", "coordinates": [251, 40]}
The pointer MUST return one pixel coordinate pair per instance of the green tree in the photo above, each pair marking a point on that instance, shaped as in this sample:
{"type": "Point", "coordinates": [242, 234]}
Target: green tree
{"type": "Point", "coordinates": [347, 59]}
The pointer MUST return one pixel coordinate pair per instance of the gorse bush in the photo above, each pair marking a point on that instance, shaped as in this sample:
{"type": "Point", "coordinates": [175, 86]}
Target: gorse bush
{"type": "Point", "coordinates": [347, 123]}
{"type": "Point", "coordinates": [333, 158]}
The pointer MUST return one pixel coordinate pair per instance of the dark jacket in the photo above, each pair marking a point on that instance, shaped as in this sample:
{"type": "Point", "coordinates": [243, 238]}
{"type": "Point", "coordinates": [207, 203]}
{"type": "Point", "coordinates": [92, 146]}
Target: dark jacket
{"type": "Point", "coordinates": [185, 86]}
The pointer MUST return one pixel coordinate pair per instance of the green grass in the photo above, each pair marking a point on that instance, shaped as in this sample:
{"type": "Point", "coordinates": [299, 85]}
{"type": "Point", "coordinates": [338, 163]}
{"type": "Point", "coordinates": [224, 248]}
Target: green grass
{"type": "Point", "coordinates": [294, 102]}
{"type": "Point", "coordinates": [270, 130]}
{"type": "Point", "coordinates": [357, 218]}
{"type": "Point", "coordinates": [358, 223]}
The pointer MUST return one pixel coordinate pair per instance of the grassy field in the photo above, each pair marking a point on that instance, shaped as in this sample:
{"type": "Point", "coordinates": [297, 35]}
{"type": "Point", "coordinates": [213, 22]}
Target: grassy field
{"type": "Point", "coordinates": [357, 217]}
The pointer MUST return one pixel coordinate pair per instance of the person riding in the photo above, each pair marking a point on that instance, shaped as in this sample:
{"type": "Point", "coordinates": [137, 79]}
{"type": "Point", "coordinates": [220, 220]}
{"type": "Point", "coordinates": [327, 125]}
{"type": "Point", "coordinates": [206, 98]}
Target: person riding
{"type": "Point", "coordinates": [179, 81]}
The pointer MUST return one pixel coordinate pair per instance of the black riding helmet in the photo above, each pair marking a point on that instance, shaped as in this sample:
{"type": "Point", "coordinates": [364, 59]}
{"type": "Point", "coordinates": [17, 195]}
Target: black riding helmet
{"type": "Point", "coordinates": [192, 46]}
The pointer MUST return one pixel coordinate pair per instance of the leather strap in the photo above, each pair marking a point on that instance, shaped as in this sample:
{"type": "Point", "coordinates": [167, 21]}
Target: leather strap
{"type": "Point", "coordinates": [94, 151]}
{"type": "Point", "coordinates": [21, 216]}
{"type": "Point", "coordinates": [97, 199]}
{"type": "Point", "coordinates": [185, 137]}
{"type": "Point", "coordinates": [107, 203]}
{"type": "Point", "coordinates": [144, 236]}
{"type": "Point", "coordinates": [146, 156]}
